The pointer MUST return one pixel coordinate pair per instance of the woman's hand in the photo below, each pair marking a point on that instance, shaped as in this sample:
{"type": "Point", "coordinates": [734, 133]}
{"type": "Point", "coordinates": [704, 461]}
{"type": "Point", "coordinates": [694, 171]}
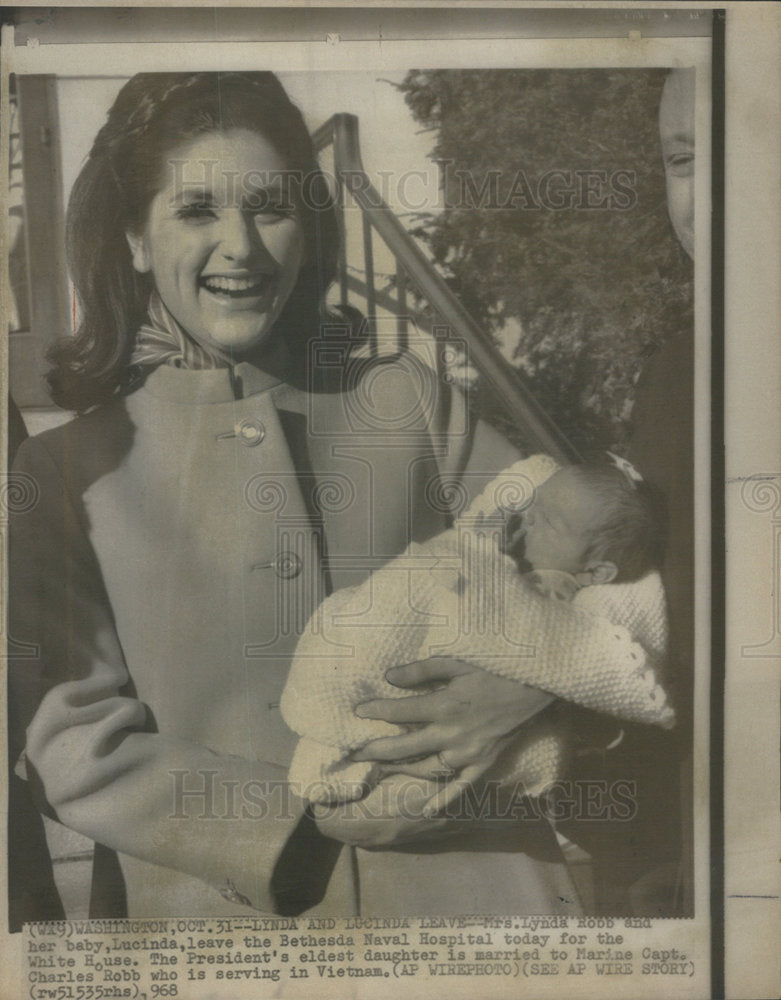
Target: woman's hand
{"type": "Point", "coordinates": [462, 726]}
{"type": "Point", "coordinates": [460, 730]}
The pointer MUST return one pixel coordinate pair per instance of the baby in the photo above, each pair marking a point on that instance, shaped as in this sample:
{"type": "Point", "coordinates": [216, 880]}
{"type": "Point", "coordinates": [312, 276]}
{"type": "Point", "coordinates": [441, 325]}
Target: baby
{"type": "Point", "coordinates": [588, 535]}
{"type": "Point", "coordinates": [587, 524]}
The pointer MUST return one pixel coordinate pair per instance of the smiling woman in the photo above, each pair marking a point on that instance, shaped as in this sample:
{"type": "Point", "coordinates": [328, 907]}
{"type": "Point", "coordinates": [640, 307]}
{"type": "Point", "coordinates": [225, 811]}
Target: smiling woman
{"type": "Point", "coordinates": [194, 180]}
{"type": "Point", "coordinates": [224, 258]}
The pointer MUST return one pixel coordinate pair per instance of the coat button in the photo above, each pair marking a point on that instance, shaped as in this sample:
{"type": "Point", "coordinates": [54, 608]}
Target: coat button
{"type": "Point", "coordinates": [287, 565]}
{"type": "Point", "coordinates": [250, 432]}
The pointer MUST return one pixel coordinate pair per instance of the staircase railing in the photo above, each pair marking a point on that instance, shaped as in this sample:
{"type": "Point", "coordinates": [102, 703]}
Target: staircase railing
{"type": "Point", "coordinates": [413, 268]}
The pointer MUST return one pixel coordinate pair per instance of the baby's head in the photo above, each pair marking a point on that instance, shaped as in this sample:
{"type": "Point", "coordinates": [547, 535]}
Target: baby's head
{"type": "Point", "coordinates": [594, 521]}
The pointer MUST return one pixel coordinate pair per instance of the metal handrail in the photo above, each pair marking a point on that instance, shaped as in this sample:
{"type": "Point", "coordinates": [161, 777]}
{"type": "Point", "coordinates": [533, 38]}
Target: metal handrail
{"type": "Point", "coordinates": [509, 385]}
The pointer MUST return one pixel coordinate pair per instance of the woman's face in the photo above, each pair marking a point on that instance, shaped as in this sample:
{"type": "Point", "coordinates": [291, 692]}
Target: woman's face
{"type": "Point", "coordinates": [222, 239]}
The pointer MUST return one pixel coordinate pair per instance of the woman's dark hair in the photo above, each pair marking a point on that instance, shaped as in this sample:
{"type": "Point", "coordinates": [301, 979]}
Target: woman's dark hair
{"type": "Point", "coordinates": [154, 113]}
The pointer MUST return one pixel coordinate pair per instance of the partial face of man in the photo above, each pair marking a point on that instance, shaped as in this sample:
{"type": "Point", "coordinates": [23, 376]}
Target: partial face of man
{"type": "Point", "coordinates": [676, 129]}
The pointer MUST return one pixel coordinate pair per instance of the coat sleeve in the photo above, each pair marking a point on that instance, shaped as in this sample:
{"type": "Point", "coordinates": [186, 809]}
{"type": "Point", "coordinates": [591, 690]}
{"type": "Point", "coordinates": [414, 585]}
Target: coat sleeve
{"type": "Point", "coordinates": [91, 749]}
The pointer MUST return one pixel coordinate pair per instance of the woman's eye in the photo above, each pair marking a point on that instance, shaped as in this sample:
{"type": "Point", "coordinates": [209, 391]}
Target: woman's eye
{"type": "Point", "coordinates": [196, 211]}
{"type": "Point", "coordinates": [271, 214]}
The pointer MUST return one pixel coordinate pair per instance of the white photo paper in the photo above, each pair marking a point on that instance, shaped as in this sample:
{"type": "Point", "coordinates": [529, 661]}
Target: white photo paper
{"type": "Point", "coordinates": [363, 520]}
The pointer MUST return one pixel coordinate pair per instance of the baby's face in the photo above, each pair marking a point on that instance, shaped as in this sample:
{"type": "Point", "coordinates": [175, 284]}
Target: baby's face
{"type": "Point", "coordinates": [560, 523]}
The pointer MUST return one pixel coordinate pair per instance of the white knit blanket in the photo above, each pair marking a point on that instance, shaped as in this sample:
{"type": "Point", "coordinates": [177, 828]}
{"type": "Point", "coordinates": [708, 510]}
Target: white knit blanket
{"type": "Point", "coordinates": [459, 596]}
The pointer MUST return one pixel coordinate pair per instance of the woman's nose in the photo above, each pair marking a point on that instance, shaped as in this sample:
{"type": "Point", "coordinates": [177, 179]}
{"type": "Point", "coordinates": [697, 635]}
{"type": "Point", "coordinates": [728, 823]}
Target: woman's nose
{"type": "Point", "coordinates": [238, 236]}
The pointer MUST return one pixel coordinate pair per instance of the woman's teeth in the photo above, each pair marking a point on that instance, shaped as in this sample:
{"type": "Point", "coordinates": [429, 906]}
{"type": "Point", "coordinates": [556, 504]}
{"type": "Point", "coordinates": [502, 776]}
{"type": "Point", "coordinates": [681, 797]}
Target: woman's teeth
{"type": "Point", "coordinates": [233, 286]}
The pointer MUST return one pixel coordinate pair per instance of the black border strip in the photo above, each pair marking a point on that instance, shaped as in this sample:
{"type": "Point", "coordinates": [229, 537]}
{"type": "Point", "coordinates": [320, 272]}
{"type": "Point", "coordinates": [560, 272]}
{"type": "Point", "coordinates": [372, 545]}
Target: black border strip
{"type": "Point", "coordinates": [718, 480]}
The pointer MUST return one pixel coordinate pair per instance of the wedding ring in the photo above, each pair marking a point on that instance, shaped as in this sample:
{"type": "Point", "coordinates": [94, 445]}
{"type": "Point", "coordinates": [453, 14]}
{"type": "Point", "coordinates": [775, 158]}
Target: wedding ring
{"type": "Point", "coordinates": [444, 770]}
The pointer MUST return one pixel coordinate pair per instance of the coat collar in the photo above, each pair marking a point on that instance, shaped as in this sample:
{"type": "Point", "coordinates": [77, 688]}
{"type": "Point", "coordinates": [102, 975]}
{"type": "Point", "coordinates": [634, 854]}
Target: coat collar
{"type": "Point", "coordinates": [217, 385]}
{"type": "Point", "coordinates": [292, 377]}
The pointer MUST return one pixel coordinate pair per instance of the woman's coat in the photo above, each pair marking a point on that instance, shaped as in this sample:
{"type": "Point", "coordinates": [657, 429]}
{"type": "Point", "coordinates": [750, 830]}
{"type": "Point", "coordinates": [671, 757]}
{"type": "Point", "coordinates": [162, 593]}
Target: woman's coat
{"type": "Point", "coordinates": [181, 538]}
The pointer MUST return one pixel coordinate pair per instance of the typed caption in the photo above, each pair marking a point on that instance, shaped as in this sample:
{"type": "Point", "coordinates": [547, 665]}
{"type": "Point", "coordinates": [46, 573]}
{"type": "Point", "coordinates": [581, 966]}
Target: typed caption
{"type": "Point", "coordinates": [190, 957]}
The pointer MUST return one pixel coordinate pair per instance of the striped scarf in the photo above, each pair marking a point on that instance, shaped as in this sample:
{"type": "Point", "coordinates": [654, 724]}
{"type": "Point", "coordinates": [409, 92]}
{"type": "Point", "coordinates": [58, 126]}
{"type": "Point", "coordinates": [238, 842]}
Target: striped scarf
{"type": "Point", "coordinates": [162, 341]}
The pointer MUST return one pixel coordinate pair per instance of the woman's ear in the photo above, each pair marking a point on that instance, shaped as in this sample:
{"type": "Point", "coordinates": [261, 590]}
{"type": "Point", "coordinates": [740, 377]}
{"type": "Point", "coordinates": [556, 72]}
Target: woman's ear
{"type": "Point", "coordinates": [597, 572]}
{"type": "Point", "coordinates": [138, 252]}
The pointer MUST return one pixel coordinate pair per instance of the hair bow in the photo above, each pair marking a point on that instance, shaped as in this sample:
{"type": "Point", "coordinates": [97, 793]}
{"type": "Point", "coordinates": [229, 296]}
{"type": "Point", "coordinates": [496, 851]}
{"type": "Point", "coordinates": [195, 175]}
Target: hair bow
{"type": "Point", "coordinates": [625, 466]}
